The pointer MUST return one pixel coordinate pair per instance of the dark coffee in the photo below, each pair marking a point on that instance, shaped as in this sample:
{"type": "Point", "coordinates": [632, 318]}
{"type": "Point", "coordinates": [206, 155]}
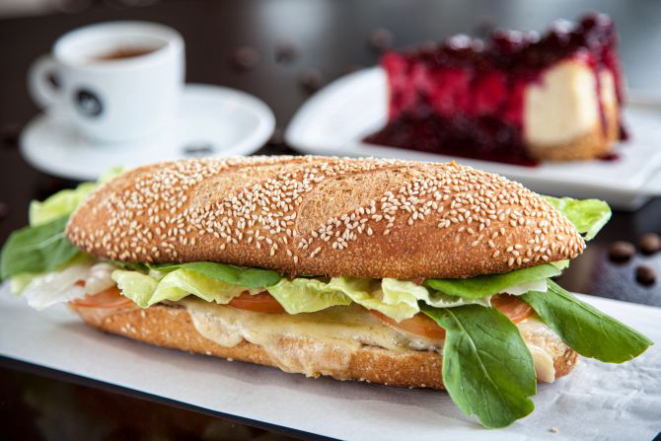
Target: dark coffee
{"type": "Point", "coordinates": [122, 53]}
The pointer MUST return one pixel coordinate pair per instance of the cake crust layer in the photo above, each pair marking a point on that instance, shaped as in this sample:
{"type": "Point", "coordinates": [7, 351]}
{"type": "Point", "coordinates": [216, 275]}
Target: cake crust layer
{"type": "Point", "coordinates": [596, 143]}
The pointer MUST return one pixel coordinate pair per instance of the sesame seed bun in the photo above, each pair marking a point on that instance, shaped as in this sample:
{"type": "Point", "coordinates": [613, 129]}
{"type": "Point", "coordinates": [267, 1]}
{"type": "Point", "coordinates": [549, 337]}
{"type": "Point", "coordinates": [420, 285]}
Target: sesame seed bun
{"type": "Point", "coordinates": [324, 216]}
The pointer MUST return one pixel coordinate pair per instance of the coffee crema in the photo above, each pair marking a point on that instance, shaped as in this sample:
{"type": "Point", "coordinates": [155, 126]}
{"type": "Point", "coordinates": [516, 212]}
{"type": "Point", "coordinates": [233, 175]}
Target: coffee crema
{"type": "Point", "coordinates": [122, 53]}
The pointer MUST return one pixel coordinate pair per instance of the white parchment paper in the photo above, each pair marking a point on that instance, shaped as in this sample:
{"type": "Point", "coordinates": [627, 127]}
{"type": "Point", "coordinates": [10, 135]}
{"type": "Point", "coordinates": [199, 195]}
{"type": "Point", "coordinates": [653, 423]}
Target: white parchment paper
{"type": "Point", "coordinates": [596, 402]}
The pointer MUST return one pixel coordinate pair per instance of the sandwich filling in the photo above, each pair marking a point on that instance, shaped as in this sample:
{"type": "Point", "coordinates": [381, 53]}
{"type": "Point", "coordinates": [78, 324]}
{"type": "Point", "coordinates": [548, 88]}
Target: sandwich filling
{"type": "Point", "coordinates": [338, 333]}
{"type": "Point", "coordinates": [498, 334]}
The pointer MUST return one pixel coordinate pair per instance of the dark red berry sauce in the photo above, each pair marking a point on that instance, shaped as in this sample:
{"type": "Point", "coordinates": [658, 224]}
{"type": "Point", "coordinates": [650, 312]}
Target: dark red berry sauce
{"type": "Point", "coordinates": [465, 97]}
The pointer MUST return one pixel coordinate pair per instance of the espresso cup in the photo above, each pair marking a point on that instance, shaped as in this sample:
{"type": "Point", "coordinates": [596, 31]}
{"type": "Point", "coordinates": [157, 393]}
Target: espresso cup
{"type": "Point", "coordinates": [115, 81]}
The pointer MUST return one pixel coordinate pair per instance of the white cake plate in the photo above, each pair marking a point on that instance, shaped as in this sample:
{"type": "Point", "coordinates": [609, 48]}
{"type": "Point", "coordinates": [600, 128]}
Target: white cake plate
{"type": "Point", "coordinates": [334, 120]}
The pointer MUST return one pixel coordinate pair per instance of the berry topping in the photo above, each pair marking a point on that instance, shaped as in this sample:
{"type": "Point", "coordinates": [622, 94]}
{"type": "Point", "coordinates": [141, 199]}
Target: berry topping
{"type": "Point", "coordinates": [465, 96]}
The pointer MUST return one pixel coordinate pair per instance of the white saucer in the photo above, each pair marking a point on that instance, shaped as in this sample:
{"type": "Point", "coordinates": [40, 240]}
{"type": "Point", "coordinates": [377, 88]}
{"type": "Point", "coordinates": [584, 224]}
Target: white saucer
{"type": "Point", "coordinates": [211, 121]}
{"type": "Point", "coordinates": [335, 120]}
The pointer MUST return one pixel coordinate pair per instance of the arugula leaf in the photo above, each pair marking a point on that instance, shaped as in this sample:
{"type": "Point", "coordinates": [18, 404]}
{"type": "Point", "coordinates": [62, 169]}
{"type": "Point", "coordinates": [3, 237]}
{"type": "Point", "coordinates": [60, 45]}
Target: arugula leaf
{"type": "Point", "coordinates": [585, 329]}
{"type": "Point", "coordinates": [483, 286]}
{"type": "Point", "coordinates": [234, 275]}
{"type": "Point", "coordinates": [42, 246]}
{"type": "Point", "coordinates": [588, 215]}
{"type": "Point", "coordinates": [37, 249]}
{"type": "Point", "coordinates": [487, 368]}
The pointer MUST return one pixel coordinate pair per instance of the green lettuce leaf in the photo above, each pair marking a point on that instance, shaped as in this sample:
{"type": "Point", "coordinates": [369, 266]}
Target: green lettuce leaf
{"type": "Point", "coordinates": [585, 329]}
{"type": "Point", "coordinates": [306, 295]}
{"type": "Point", "coordinates": [136, 286]}
{"type": "Point", "coordinates": [130, 266]}
{"type": "Point", "coordinates": [561, 264]}
{"type": "Point", "coordinates": [20, 281]}
{"type": "Point", "coordinates": [182, 282]}
{"type": "Point", "coordinates": [487, 368]}
{"type": "Point", "coordinates": [484, 286]}
{"type": "Point", "coordinates": [64, 202]}
{"type": "Point", "coordinates": [248, 277]}
{"type": "Point", "coordinates": [394, 289]}
{"type": "Point", "coordinates": [42, 246]}
{"type": "Point", "coordinates": [37, 249]}
{"type": "Point", "coordinates": [588, 215]}
{"type": "Point", "coordinates": [146, 291]}
{"type": "Point", "coordinates": [397, 299]}
{"type": "Point", "coordinates": [398, 304]}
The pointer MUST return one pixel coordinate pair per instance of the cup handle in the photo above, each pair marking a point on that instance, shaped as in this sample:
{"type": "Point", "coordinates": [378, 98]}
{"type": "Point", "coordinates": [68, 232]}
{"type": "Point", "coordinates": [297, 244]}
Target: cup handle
{"type": "Point", "coordinates": [43, 92]}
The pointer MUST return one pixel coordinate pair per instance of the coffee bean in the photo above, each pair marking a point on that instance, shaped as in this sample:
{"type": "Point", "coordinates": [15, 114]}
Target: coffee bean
{"type": "Point", "coordinates": [245, 58]}
{"type": "Point", "coordinates": [621, 251]}
{"type": "Point", "coordinates": [650, 243]}
{"type": "Point", "coordinates": [9, 133]}
{"type": "Point", "coordinates": [645, 275]}
{"type": "Point", "coordinates": [381, 39]}
{"type": "Point", "coordinates": [286, 52]}
{"type": "Point", "coordinates": [199, 149]}
{"type": "Point", "coordinates": [311, 80]}
{"type": "Point", "coordinates": [4, 210]}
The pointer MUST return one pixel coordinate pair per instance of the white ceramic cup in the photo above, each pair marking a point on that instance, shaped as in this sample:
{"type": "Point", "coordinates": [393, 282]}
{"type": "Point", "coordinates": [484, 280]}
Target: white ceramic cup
{"type": "Point", "coordinates": [118, 99]}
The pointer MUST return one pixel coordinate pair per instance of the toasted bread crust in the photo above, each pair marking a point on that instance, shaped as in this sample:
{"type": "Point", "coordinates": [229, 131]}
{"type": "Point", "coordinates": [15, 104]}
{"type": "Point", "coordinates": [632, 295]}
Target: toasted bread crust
{"type": "Point", "coordinates": [326, 216]}
{"type": "Point", "coordinates": [156, 325]}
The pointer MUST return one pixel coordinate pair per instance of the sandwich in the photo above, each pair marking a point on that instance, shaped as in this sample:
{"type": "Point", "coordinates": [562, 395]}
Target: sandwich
{"type": "Point", "coordinates": [408, 274]}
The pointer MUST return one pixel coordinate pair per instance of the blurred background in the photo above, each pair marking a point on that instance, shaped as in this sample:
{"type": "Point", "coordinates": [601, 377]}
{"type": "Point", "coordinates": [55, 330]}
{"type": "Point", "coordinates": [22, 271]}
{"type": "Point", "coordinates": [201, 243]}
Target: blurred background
{"type": "Point", "coordinates": [321, 40]}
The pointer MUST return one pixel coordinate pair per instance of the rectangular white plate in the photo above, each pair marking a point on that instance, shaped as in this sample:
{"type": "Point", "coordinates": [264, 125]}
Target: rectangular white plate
{"type": "Point", "coordinates": [597, 401]}
{"type": "Point", "coordinates": [335, 119]}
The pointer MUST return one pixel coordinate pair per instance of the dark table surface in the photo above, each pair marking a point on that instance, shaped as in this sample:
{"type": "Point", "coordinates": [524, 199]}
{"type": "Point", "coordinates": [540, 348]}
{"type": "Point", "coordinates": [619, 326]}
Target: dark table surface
{"type": "Point", "coordinates": [330, 38]}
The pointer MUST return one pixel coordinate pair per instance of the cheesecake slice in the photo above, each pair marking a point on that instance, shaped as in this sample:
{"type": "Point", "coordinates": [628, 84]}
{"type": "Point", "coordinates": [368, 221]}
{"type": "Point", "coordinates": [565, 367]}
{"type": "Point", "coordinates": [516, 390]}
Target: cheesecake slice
{"type": "Point", "coordinates": [517, 98]}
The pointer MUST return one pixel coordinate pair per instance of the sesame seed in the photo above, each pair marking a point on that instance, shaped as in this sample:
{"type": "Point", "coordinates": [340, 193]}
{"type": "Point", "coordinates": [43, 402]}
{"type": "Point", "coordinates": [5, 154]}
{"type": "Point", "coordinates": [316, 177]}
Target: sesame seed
{"type": "Point", "coordinates": [155, 214]}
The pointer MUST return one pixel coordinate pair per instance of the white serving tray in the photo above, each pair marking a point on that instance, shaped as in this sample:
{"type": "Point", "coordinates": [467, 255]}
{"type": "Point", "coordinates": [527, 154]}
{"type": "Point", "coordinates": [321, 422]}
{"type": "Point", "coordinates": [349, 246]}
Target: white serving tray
{"type": "Point", "coordinates": [333, 121]}
{"type": "Point", "coordinates": [597, 401]}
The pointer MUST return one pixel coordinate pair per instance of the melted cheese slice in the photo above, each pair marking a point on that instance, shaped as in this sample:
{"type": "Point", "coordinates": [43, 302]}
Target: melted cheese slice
{"type": "Point", "coordinates": [324, 342]}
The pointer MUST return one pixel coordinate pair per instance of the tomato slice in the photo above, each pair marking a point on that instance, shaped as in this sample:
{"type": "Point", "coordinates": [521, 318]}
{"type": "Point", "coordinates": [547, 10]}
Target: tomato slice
{"type": "Point", "coordinates": [262, 302]}
{"type": "Point", "coordinates": [419, 324]}
{"type": "Point", "coordinates": [515, 310]}
{"type": "Point", "coordinates": [109, 298]}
